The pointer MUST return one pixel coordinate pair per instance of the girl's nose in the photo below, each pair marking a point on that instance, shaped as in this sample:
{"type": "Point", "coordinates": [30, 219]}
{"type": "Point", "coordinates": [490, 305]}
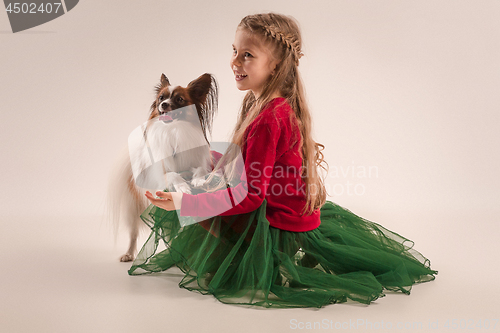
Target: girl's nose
{"type": "Point", "coordinates": [235, 61]}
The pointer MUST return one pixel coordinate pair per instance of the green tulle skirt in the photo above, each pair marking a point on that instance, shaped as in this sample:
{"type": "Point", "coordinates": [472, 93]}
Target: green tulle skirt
{"type": "Point", "coordinates": [243, 260]}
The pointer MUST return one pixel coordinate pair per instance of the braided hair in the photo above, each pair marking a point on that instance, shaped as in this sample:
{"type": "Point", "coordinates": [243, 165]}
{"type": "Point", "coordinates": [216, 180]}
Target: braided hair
{"type": "Point", "coordinates": [289, 41]}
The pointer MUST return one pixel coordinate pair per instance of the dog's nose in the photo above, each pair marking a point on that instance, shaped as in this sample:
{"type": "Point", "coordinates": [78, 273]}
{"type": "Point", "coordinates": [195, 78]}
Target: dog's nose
{"type": "Point", "coordinates": [165, 106]}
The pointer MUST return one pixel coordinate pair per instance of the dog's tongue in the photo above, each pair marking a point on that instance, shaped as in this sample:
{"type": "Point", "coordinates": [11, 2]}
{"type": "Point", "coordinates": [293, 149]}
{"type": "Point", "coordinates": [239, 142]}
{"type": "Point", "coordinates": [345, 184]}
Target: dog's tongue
{"type": "Point", "coordinates": [166, 117]}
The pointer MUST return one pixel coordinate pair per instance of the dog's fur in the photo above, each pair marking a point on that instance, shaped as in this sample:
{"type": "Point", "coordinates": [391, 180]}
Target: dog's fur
{"type": "Point", "coordinates": [126, 200]}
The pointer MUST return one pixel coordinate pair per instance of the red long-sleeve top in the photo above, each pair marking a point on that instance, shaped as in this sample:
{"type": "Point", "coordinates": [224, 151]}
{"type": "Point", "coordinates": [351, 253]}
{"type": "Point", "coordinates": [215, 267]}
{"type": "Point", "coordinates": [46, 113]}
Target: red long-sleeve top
{"type": "Point", "coordinates": [273, 159]}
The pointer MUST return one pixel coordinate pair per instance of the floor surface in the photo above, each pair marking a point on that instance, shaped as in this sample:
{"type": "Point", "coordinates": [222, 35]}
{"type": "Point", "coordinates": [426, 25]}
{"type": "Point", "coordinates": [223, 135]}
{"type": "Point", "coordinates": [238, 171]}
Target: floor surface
{"type": "Point", "coordinates": [63, 275]}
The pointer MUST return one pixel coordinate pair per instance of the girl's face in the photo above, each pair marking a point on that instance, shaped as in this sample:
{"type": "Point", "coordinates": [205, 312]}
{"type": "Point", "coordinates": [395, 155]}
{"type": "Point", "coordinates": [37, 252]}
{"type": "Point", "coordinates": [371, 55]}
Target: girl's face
{"type": "Point", "coordinates": [251, 62]}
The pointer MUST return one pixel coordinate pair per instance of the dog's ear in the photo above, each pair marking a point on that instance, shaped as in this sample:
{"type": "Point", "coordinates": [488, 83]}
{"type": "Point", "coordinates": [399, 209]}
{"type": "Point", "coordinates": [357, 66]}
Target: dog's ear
{"type": "Point", "coordinates": [204, 93]}
{"type": "Point", "coordinates": [153, 112]}
{"type": "Point", "coordinates": [199, 88]}
{"type": "Point", "coordinates": [164, 81]}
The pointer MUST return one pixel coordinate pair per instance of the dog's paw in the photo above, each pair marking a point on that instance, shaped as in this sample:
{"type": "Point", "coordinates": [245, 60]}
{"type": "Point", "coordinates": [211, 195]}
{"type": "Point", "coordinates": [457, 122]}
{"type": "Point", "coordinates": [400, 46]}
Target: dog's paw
{"type": "Point", "coordinates": [198, 182]}
{"type": "Point", "coordinates": [126, 257]}
{"type": "Point", "coordinates": [183, 188]}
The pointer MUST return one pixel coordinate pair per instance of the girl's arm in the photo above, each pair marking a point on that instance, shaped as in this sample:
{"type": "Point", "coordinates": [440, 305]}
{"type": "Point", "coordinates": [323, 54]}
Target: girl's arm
{"type": "Point", "coordinates": [166, 200]}
{"type": "Point", "coordinates": [173, 200]}
{"type": "Point", "coordinates": [248, 195]}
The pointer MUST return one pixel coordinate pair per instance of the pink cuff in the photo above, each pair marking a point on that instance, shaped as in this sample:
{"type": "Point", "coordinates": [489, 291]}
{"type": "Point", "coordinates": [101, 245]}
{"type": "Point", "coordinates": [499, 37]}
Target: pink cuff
{"type": "Point", "coordinates": [189, 205]}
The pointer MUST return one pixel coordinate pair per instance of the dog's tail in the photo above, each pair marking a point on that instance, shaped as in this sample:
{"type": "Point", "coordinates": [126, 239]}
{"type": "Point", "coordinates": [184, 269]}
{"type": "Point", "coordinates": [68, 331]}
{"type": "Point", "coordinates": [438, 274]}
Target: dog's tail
{"type": "Point", "coordinates": [125, 202]}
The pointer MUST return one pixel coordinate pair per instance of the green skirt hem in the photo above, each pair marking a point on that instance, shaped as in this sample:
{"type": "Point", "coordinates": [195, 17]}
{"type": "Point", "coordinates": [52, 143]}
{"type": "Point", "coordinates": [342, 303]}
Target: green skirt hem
{"type": "Point", "coordinates": [243, 260]}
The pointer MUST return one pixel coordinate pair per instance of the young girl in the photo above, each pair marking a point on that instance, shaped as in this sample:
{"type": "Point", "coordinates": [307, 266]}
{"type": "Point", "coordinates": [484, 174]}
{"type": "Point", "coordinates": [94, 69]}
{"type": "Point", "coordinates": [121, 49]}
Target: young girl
{"type": "Point", "coordinates": [274, 240]}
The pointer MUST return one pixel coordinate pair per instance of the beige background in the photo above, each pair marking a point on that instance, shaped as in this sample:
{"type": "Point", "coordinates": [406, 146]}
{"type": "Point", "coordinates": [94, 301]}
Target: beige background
{"type": "Point", "coordinates": [409, 89]}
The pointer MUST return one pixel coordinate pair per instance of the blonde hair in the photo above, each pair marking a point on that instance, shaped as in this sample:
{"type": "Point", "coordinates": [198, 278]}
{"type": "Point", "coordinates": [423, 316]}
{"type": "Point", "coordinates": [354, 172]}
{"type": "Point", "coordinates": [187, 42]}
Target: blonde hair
{"type": "Point", "coordinates": [281, 35]}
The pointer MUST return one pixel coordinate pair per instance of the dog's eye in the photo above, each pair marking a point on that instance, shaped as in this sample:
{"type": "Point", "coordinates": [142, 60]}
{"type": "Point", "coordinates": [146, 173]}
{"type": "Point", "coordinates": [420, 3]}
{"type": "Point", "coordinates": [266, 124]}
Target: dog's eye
{"type": "Point", "coordinates": [161, 98]}
{"type": "Point", "coordinates": [180, 99]}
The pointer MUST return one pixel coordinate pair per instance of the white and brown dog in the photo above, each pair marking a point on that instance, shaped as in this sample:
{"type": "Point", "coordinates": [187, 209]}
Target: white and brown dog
{"type": "Point", "coordinates": [170, 151]}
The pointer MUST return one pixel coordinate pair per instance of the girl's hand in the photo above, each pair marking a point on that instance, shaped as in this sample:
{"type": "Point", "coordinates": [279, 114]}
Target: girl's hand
{"type": "Point", "coordinates": [167, 200]}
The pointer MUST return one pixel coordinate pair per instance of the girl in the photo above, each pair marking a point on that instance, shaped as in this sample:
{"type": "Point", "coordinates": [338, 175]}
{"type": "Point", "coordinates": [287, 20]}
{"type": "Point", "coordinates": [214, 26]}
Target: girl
{"type": "Point", "coordinates": [274, 240]}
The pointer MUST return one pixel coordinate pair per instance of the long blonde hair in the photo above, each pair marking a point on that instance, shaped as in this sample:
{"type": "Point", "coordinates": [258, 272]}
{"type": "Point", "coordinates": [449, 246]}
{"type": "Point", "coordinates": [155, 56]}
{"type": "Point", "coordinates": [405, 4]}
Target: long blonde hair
{"type": "Point", "coordinates": [281, 35]}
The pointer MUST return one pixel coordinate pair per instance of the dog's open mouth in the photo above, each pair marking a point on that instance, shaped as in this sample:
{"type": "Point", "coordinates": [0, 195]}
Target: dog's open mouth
{"type": "Point", "coordinates": [172, 115]}
{"type": "Point", "coordinates": [165, 117]}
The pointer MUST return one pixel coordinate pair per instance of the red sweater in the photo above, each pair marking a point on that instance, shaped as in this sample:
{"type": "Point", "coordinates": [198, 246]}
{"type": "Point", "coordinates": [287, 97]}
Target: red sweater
{"type": "Point", "coordinates": [271, 142]}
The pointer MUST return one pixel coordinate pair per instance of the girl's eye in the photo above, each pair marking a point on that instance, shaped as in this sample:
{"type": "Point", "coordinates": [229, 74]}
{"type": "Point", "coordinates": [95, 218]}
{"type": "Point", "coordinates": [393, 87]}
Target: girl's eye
{"type": "Point", "coordinates": [247, 54]}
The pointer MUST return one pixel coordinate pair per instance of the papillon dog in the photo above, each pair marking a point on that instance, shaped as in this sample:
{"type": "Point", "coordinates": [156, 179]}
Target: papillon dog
{"type": "Point", "coordinates": [170, 150]}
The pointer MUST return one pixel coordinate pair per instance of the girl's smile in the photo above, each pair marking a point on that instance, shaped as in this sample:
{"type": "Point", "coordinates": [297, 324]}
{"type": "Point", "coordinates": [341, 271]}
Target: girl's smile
{"type": "Point", "coordinates": [239, 77]}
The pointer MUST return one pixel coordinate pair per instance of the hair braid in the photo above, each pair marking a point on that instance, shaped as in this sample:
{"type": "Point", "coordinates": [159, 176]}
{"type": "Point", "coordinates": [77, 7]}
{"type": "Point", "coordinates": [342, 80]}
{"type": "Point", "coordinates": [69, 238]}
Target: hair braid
{"type": "Point", "coordinates": [289, 41]}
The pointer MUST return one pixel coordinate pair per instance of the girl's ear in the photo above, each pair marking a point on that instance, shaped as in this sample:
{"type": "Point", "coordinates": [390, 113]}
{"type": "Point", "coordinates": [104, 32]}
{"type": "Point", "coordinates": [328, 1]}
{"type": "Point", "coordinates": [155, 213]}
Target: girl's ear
{"type": "Point", "coordinates": [274, 66]}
